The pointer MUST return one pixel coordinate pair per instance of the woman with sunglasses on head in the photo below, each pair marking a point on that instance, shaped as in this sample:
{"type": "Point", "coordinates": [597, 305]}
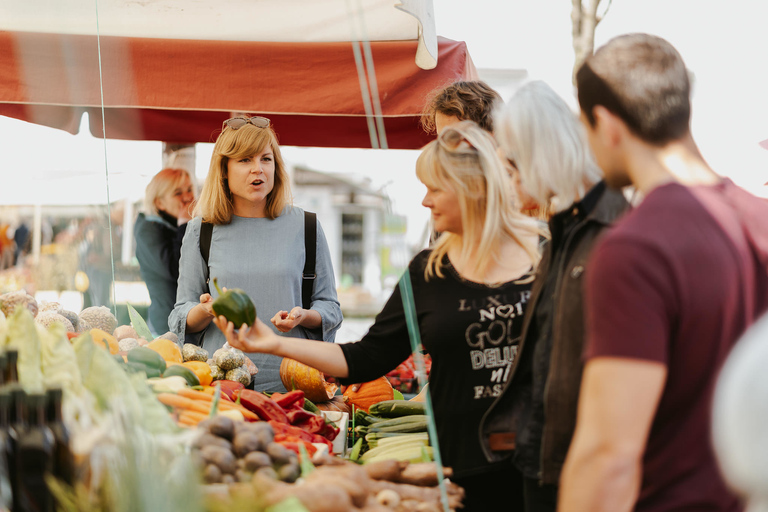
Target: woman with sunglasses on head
{"type": "Point", "coordinates": [257, 244]}
{"type": "Point", "coordinates": [469, 291]}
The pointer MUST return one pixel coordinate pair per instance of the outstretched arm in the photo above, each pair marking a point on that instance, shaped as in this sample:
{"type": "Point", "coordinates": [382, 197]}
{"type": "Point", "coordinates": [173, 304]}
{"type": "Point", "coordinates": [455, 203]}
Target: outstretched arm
{"type": "Point", "coordinates": [617, 404]}
{"type": "Point", "coordinates": [326, 357]}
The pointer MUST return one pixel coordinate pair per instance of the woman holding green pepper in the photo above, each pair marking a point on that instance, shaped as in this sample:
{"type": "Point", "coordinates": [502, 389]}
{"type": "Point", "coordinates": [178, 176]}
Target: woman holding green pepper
{"type": "Point", "coordinates": [257, 245]}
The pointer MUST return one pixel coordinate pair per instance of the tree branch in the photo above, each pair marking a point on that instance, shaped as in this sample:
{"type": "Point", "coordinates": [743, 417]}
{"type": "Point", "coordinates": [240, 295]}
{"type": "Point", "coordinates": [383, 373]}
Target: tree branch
{"type": "Point", "coordinates": [601, 16]}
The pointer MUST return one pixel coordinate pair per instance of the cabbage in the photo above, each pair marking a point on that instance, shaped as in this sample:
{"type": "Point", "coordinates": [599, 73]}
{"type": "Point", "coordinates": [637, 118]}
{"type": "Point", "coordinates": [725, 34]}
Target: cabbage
{"type": "Point", "coordinates": [59, 363]}
{"type": "Point", "coordinates": [22, 336]}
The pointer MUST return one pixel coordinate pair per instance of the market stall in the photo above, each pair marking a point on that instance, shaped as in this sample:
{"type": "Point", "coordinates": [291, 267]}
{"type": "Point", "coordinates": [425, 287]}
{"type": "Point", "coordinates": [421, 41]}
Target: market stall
{"type": "Point", "coordinates": [152, 424]}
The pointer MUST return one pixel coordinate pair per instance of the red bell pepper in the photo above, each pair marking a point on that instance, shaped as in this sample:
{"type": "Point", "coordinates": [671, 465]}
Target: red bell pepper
{"type": "Point", "coordinates": [262, 405]}
{"type": "Point", "coordinates": [292, 443]}
{"type": "Point", "coordinates": [229, 388]}
{"type": "Point", "coordinates": [296, 417]}
{"type": "Point", "coordinates": [289, 430]}
{"type": "Point", "coordinates": [289, 400]}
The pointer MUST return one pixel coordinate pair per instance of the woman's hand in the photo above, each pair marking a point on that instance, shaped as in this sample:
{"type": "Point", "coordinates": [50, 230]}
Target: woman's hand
{"type": "Point", "coordinates": [206, 302]}
{"type": "Point", "coordinates": [257, 338]}
{"type": "Point", "coordinates": [285, 321]}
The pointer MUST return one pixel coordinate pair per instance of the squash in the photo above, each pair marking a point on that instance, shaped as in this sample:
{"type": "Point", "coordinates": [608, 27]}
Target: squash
{"type": "Point", "coordinates": [296, 375]}
{"type": "Point", "coordinates": [370, 393]}
{"type": "Point", "coordinates": [105, 340]}
{"type": "Point", "coordinates": [169, 350]}
{"type": "Point", "coordinates": [336, 404]}
{"type": "Point", "coordinates": [202, 370]}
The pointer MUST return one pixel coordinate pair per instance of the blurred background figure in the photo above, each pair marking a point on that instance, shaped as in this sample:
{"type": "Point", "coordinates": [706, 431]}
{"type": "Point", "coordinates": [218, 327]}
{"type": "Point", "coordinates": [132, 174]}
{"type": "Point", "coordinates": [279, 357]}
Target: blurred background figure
{"type": "Point", "coordinates": [740, 416]}
{"type": "Point", "coordinates": [159, 231]}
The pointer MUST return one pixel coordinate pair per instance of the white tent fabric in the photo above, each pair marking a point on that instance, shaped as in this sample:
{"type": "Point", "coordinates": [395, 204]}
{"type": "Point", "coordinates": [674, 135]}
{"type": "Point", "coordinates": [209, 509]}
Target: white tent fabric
{"type": "Point", "coordinates": [236, 20]}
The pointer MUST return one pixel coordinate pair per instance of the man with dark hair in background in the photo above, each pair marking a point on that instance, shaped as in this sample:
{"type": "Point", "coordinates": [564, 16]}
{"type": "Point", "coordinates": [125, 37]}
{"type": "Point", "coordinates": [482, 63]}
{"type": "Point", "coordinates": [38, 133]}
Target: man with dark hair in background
{"type": "Point", "coordinates": [461, 101]}
{"type": "Point", "coordinates": [668, 292]}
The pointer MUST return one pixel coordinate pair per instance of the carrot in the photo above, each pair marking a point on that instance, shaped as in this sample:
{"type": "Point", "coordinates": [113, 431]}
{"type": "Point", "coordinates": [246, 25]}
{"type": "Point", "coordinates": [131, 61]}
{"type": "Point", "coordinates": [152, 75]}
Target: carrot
{"type": "Point", "coordinates": [204, 397]}
{"type": "Point", "coordinates": [248, 415]}
{"type": "Point", "coordinates": [181, 402]}
{"type": "Point", "coordinates": [201, 395]}
{"type": "Point", "coordinates": [193, 415]}
{"type": "Point", "coordinates": [194, 394]}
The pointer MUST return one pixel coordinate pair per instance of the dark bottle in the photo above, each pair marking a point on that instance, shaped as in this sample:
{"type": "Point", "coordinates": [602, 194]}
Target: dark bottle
{"type": "Point", "coordinates": [34, 459]}
{"type": "Point", "coordinates": [17, 423]}
{"type": "Point", "coordinates": [11, 375]}
{"type": "Point", "coordinates": [6, 494]}
{"type": "Point", "coordinates": [64, 461]}
{"type": "Point", "coordinates": [3, 366]}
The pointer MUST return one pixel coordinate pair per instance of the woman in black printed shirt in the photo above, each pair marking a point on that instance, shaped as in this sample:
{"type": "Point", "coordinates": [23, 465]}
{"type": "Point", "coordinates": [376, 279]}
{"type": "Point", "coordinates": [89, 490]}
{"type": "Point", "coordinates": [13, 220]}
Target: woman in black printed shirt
{"type": "Point", "coordinates": [470, 292]}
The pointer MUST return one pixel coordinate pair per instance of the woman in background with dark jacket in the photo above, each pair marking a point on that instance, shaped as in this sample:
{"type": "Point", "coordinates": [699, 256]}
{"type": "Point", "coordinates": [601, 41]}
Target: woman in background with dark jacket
{"type": "Point", "coordinates": [159, 232]}
{"type": "Point", "coordinates": [544, 143]}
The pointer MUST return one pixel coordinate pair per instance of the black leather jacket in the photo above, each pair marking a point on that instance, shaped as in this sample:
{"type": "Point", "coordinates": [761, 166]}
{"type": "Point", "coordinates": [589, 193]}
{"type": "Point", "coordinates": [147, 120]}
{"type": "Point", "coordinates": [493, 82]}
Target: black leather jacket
{"type": "Point", "coordinates": [561, 393]}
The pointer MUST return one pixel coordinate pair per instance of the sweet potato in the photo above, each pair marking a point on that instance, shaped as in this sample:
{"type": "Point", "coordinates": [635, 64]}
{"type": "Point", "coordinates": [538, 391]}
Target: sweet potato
{"type": "Point", "coordinates": [423, 473]}
{"type": "Point", "coordinates": [389, 469]}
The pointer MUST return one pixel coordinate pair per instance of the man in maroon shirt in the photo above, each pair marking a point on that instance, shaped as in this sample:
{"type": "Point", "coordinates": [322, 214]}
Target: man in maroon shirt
{"type": "Point", "coordinates": [669, 291]}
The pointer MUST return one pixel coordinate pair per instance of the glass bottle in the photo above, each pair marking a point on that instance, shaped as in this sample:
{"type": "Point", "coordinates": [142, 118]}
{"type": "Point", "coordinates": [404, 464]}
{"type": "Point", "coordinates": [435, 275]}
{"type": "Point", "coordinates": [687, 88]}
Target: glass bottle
{"type": "Point", "coordinates": [34, 459]}
{"type": "Point", "coordinates": [11, 371]}
{"type": "Point", "coordinates": [64, 460]}
{"type": "Point", "coordinates": [6, 493]}
{"type": "Point", "coordinates": [3, 366]}
{"type": "Point", "coordinates": [16, 426]}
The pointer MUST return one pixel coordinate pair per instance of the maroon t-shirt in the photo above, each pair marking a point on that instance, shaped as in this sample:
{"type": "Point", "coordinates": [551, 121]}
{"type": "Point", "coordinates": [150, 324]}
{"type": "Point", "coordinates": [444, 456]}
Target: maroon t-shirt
{"type": "Point", "coordinates": [678, 281]}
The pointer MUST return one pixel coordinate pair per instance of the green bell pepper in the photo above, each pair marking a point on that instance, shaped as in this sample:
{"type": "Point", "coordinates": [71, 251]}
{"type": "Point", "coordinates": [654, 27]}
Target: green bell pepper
{"type": "Point", "coordinates": [235, 305]}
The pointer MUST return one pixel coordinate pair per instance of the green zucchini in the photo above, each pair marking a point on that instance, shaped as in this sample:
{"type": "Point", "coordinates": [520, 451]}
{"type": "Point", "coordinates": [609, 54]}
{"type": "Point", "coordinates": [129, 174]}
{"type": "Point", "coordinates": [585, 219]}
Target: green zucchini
{"type": "Point", "coordinates": [355, 453]}
{"type": "Point", "coordinates": [405, 424]}
{"type": "Point", "coordinates": [182, 371]}
{"type": "Point", "coordinates": [397, 408]}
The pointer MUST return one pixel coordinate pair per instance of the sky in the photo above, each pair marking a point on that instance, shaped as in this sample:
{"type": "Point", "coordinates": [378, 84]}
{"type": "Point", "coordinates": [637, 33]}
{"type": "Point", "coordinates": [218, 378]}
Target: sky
{"type": "Point", "coordinates": [723, 43]}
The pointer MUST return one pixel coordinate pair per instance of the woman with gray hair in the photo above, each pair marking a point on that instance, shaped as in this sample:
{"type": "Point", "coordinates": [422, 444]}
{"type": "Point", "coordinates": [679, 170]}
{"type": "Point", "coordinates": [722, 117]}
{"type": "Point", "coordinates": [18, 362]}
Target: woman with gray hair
{"type": "Point", "coordinates": [159, 231]}
{"type": "Point", "coordinates": [542, 142]}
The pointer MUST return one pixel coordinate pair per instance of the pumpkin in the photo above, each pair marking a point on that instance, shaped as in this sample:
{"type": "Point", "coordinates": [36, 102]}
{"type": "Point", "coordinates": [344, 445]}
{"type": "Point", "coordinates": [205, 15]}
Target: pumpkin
{"type": "Point", "coordinates": [105, 340]}
{"type": "Point", "coordinates": [169, 350]}
{"type": "Point", "coordinates": [202, 370]}
{"type": "Point", "coordinates": [370, 393]}
{"type": "Point", "coordinates": [336, 404]}
{"type": "Point", "coordinates": [296, 375]}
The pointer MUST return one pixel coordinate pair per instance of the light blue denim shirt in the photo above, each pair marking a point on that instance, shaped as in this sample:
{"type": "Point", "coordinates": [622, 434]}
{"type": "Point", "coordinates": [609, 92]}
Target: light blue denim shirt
{"type": "Point", "coordinates": [264, 257]}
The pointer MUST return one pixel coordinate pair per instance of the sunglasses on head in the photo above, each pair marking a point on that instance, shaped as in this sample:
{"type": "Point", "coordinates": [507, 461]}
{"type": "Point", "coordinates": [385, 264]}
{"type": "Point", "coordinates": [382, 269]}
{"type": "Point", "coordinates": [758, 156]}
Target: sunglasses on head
{"type": "Point", "coordinates": [239, 122]}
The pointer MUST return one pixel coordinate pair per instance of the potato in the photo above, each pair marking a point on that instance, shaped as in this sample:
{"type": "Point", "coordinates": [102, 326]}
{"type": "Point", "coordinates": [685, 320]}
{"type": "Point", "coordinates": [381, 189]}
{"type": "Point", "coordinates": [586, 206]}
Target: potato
{"type": "Point", "coordinates": [228, 479]}
{"type": "Point", "coordinates": [280, 454]}
{"type": "Point", "coordinates": [212, 474]}
{"type": "Point", "coordinates": [208, 439]}
{"type": "Point", "coordinates": [245, 443]}
{"type": "Point", "coordinates": [256, 460]}
{"type": "Point", "coordinates": [222, 426]}
{"type": "Point", "coordinates": [265, 473]}
{"type": "Point", "coordinates": [222, 457]}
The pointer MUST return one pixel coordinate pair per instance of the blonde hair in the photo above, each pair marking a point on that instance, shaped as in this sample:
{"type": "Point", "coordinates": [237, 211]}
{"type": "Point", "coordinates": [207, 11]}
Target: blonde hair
{"type": "Point", "coordinates": [215, 203]}
{"type": "Point", "coordinates": [464, 158]}
{"type": "Point", "coordinates": [548, 144]}
{"type": "Point", "coordinates": [161, 184]}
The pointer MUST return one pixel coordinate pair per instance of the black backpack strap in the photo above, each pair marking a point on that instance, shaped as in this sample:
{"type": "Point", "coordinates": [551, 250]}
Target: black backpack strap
{"type": "Point", "coordinates": [310, 244]}
{"type": "Point", "coordinates": [206, 232]}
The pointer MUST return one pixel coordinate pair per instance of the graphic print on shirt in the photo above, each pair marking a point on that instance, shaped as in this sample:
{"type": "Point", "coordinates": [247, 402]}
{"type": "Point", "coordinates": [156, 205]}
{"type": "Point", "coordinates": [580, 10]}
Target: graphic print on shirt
{"type": "Point", "coordinates": [493, 338]}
